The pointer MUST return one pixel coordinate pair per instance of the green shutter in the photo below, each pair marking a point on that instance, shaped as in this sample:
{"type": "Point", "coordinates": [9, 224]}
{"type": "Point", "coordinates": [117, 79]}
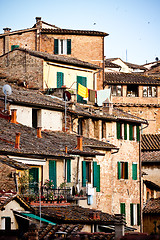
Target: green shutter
{"type": "Point", "coordinates": [82, 81]}
{"type": "Point", "coordinates": [130, 132]}
{"type": "Point", "coordinates": [138, 215]}
{"type": "Point", "coordinates": [94, 174]}
{"type": "Point", "coordinates": [98, 179]}
{"type": "Point", "coordinates": [134, 171]}
{"type": "Point", "coordinates": [83, 174]}
{"type": "Point", "coordinates": [131, 214]}
{"type": "Point", "coordinates": [52, 172]}
{"type": "Point", "coordinates": [34, 183]}
{"type": "Point", "coordinates": [123, 208]}
{"type": "Point", "coordinates": [55, 46]}
{"type": "Point", "coordinates": [119, 170]}
{"type": "Point", "coordinates": [138, 133]}
{"type": "Point", "coordinates": [14, 46]}
{"type": "Point", "coordinates": [68, 46]}
{"type": "Point", "coordinates": [68, 170]}
{"type": "Point", "coordinates": [60, 79]}
{"type": "Point", "coordinates": [125, 131]}
{"type": "Point", "coordinates": [118, 130]}
{"type": "Point", "coordinates": [126, 170]}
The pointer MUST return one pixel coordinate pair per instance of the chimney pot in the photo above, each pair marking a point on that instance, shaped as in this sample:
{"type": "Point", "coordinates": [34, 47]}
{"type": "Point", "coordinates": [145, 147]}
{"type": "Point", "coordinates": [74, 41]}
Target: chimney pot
{"type": "Point", "coordinates": [17, 142]}
{"type": "Point", "coordinates": [6, 30]}
{"type": "Point", "coordinates": [38, 19]}
{"type": "Point", "coordinates": [39, 132]}
{"type": "Point", "coordinates": [65, 149]}
{"type": "Point", "coordinates": [80, 143]}
{"type": "Point", "coordinates": [13, 115]}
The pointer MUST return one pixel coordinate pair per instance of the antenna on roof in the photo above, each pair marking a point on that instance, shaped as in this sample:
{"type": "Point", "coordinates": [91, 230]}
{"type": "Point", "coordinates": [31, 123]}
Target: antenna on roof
{"type": "Point", "coordinates": [126, 55]}
{"type": "Point", "coordinates": [7, 91]}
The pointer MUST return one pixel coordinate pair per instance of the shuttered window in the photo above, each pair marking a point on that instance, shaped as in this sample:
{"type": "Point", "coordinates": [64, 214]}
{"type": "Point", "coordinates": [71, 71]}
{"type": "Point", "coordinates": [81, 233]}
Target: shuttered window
{"type": "Point", "coordinates": [130, 132]}
{"type": "Point", "coordinates": [68, 170]}
{"type": "Point", "coordinates": [56, 46]}
{"type": "Point", "coordinates": [53, 172]}
{"type": "Point", "coordinates": [34, 179]}
{"type": "Point", "coordinates": [125, 131]}
{"type": "Point", "coordinates": [96, 176]}
{"type": "Point", "coordinates": [68, 46]}
{"type": "Point", "coordinates": [60, 79]}
{"type": "Point", "coordinates": [134, 171]}
{"type": "Point", "coordinates": [118, 130]}
{"type": "Point", "coordinates": [134, 214]}
{"type": "Point", "coordinates": [122, 170]}
{"type": "Point", "coordinates": [14, 46]}
{"type": "Point", "coordinates": [82, 81]}
{"type": "Point", "coordinates": [83, 174]}
{"type": "Point", "coordinates": [138, 133]}
{"type": "Point", "coordinates": [122, 208]}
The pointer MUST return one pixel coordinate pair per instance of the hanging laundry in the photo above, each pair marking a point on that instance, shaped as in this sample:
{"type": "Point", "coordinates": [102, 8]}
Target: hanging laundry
{"type": "Point", "coordinates": [82, 91]}
{"type": "Point", "coordinates": [92, 95]}
{"type": "Point", "coordinates": [102, 95]}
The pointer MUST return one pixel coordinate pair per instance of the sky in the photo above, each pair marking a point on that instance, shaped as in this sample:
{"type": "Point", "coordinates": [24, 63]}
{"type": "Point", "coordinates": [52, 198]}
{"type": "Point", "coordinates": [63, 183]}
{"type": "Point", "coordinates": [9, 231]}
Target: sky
{"type": "Point", "coordinates": [133, 25]}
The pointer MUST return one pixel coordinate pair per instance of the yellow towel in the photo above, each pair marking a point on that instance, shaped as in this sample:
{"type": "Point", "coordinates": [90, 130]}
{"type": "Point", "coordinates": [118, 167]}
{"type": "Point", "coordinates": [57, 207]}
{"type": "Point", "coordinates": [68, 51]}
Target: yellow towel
{"type": "Point", "coordinates": [82, 91]}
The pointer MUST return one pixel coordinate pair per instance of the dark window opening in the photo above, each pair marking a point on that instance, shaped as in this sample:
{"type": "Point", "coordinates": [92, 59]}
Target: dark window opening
{"type": "Point", "coordinates": [34, 118]}
{"type": "Point", "coordinates": [122, 170]}
{"type": "Point", "coordinates": [103, 129]}
{"type": "Point", "coordinates": [132, 91]}
{"type": "Point", "coordinates": [88, 172]}
{"type": "Point", "coordinates": [80, 129]}
{"type": "Point", "coordinates": [116, 90]}
{"type": "Point", "coordinates": [149, 91]}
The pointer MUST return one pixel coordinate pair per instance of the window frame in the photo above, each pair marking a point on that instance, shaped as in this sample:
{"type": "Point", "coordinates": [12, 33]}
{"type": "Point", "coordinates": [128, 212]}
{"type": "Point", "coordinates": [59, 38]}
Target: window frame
{"type": "Point", "coordinates": [62, 46]}
{"type": "Point", "coordinates": [115, 90]}
{"type": "Point", "coordinates": [151, 90]}
{"type": "Point", "coordinates": [123, 170]}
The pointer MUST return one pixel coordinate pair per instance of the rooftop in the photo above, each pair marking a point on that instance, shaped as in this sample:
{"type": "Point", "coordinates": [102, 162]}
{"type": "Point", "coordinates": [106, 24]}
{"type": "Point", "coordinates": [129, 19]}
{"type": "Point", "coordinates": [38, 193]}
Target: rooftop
{"type": "Point", "coordinates": [152, 206]}
{"type": "Point", "coordinates": [129, 78]}
{"type": "Point", "coordinates": [150, 142]}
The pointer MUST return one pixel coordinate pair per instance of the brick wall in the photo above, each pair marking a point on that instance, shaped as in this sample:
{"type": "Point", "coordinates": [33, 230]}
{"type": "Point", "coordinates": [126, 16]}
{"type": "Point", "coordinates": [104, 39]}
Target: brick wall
{"type": "Point", "coordinates": [21, 66]}
{"type": "Point", "coordinates": [6, 180]}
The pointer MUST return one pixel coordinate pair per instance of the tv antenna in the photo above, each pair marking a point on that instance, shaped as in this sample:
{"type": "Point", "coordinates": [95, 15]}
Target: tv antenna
{"type": "Point", "coordinates": [7, 90]}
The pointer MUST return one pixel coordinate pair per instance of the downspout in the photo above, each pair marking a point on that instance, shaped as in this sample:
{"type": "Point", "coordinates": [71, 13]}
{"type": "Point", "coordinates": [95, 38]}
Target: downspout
{"type": "Point", "coordinates": [140, 181]}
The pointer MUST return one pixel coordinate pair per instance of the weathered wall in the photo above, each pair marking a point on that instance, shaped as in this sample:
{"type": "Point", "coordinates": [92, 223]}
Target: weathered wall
{"type": "Point", "coordinates": [148, 222]}
{"type": "Point", "coordinates": [21, 66]}
{"type": "Point", "coordinates": [6, 181]}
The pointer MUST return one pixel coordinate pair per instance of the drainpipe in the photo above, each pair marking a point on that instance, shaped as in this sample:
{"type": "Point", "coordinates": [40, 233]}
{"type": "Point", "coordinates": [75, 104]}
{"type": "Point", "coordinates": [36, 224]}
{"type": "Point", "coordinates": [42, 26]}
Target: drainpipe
{"type": "Point", "coordinates": [140, 181]}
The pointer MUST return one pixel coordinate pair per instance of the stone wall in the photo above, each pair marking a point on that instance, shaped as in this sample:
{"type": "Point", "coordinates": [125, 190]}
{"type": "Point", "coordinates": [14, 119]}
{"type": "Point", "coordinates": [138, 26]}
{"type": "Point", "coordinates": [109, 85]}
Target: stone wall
{"type": "Point", "coordinates": [21, 66]}
{"type": "Point", "coordinates": [6, 178]}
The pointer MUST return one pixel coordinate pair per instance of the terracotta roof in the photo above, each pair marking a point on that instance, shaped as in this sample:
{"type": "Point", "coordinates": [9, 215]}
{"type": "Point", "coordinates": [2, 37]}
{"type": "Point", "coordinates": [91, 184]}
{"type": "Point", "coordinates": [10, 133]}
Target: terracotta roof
{"type": "Point", "coordinates": [135, 66]}
{"type": "Point", "coordinates": [58, 58]}
{"type": "Point", "coordinates": [6, 197]}
{"type": "Point", "coordinates": [51, 144]}
{"type": "Point", "coordinates": [150, 157]}
{"type": "Point", "coordinates": [151, 185]}
{"type": "Point", "coordinates": [75, 214]}
{"type": "Point", "coordinates": [14, 164]}
{"type": "Point", "coordinates": [152, 206]}
{"type": "Point", "coordinates": [129, 78]}
{"type": "Point", "coordinates": [73, 32]}
{"type": "Point", "coordinates": [111, 64]}
{"type": "Point", "coordinates": [150, 142]}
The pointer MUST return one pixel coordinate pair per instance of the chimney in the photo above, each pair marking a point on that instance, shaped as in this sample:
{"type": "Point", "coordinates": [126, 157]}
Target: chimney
{"type": "Point", "coordinates": [79, 143]}
{"type": "Point", "coordinates": [38, 19]}
{"type": "Point", "coordinates": [65, 149]}
{"type": "Point", "coordinates": [17, 142]}
{"type": "Point", "coordinates": [13, 115]}
{"type": "Point", "coordinates": [39, 132]}
{"type": "Point", "coordinates": [107, 107]}
{"type": "Point", "coordinates": [6, 30]}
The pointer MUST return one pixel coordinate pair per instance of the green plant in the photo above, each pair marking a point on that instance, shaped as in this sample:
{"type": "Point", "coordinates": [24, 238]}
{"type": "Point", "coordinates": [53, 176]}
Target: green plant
{"type": "Point", "coordinates": [24, 181]}
{"type": "Point", "coordinates": [49, 184]}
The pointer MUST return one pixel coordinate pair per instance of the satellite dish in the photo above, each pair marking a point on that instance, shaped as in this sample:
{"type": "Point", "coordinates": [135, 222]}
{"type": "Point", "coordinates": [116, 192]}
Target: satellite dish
{"type": "Point", "coordinates": [7, 90]}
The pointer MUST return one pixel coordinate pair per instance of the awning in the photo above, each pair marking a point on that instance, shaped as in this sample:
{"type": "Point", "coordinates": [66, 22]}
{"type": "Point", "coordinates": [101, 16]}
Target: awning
{"type": "Point", "coordinates": [31, 215]}
{"type": "Point", "coordinates": [111, 227]}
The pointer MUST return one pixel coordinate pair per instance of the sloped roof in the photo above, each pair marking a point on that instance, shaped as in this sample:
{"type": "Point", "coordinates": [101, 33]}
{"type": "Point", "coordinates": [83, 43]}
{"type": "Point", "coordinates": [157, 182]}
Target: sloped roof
{"type": "Point", "coordinates": [75, 214]}
{"type": "Point", "coordinates": [129, 78]}
{"type": "Point", "coordinates": [151, 185]}
{"type": "Point", "coordinates": [152, 206]}
{"type": "Point", "coordinates": [150, 157]}
{"type": "Point", "coordinates": [14, 164]}
{"type": "Point", "coordinates": [57, 58]}
{"type": "Point", "coordinates": [150, 142]}
{"type": "Point", "coordinates": [52, 144]}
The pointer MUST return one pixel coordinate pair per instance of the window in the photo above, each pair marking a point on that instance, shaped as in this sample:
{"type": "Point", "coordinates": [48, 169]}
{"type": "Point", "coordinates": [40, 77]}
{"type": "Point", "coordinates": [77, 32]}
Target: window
{"type": "Point", "coordinates": [96, 176]}
{"type": "Point", "coordinates": [62, 46]}
{"type": "Point", "coordinates": [122, 131]}
{"type": "Point", "coordinates": [86, 173]}
{"type": "Point", "coordinates": [149, 91]}
{"type": "Point", "coordinates": [68, 170]}
{"type": "Point", "coordinates": [36, 113]}
{"type": "Point", "coordinates": [80, 128]}
{"type": "Point", "coordinates": [135, 214]}
{"type": "Point", "coordinates": [34, 179]}
{"type": "Point", "coordinates": [14, 46]}
{"type": "Point", "coordinates": [103, 129]}
{"type": "Point", "coordinates": [122, 170]}
{"type": "Point", "coordinates": [60, 79]}
{"type": "Point", "coordinates": [6, 223]}
{"type": "Point", "coordinates": [132, 90]}
{"type": "Point", "coordinates": [122, 208]}
{"type": "Point", "coordinates": [53, 172]}
{"type": "Point", "coordinates": [116, 90]}
{"type": "Point", "coordinates": [134, 171]}
{"type": "Point", "coordinates": [82, 81]}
